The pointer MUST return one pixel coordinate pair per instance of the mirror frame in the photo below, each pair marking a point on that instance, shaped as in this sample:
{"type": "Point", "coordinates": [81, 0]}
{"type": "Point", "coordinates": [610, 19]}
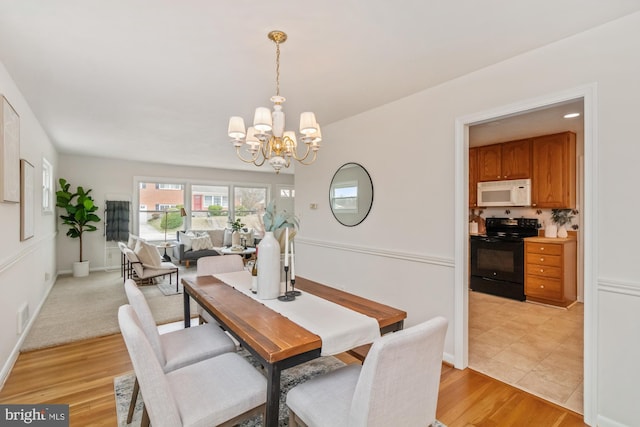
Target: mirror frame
{"type": "Point", "coordinates": [361, 208]}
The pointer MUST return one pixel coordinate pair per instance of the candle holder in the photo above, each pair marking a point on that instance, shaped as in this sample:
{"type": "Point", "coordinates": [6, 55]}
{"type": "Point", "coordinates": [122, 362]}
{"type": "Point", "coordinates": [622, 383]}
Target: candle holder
{"type": "Point", "coordinates": [288, 296]}
{"type": "Point", "coordinates": [293, 293]}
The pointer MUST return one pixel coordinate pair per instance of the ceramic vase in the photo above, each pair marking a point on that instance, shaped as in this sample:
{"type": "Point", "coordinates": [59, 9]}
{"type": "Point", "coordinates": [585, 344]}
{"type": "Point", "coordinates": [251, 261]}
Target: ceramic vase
{"type": "Point", "coordinates": [551, 230]}
{"type": "Point", "coordinates": [235, 238]}
{"type": "Point", "coordinates": [269, 267]}
{"type": "Point", "coordinates": [562, 232]}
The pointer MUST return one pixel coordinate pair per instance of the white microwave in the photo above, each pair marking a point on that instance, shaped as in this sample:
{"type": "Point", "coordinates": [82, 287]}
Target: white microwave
{"type": "Point", "coordinates": [514, 192]}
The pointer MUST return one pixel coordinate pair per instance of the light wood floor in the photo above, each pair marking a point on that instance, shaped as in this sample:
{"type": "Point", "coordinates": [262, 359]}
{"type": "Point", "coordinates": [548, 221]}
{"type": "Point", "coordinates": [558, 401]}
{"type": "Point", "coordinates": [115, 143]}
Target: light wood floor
{"type": "Point", "coordinates": [81, 374]}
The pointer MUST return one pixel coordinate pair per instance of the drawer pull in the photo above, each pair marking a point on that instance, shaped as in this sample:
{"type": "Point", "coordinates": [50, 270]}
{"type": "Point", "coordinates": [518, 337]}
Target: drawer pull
{"type": "Point", "coordinates": [542, 249]}
{"type": "Point", "coordinates": [542, 270]}
{"type": "Point", "coordinates": [541, 286]}
{"type": "Point", "coordinates": [542, 259]}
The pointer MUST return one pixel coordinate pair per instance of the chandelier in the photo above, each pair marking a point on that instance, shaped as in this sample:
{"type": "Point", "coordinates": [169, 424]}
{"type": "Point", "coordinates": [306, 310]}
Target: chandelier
{"type": "Point", "coordinates": [267, 139]}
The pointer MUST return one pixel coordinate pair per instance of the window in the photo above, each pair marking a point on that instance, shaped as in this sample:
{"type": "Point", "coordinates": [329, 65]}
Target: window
{"type": "Point", "coordinates": [47, 186]}
{"type": "Point", "coordinates": [209, 207]}
{"type": "Point", "coordinates": [166, 200]}
{"type": "Point", "coordinates": [249, 204]}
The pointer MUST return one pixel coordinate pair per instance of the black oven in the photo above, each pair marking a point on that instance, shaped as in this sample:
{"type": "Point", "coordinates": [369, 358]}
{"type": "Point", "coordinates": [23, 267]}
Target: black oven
{"type": "Point", "coordinates": [497, 258]}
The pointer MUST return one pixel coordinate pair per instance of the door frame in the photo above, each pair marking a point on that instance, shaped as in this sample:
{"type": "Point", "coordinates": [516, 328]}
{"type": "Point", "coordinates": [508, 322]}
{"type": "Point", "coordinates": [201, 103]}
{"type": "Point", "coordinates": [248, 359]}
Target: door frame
{"type": "Point", "coordinates": [589, 230]}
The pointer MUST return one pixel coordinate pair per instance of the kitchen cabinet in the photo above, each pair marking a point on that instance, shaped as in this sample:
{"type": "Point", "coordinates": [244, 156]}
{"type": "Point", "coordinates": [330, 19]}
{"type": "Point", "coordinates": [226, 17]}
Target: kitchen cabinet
{"type": "Point", "coordinates": [508, 160]}
{"type": "Point", "coordinates": [553, 177]}
{"type": "Point", "coordinates": [473, 177]}
{"type": "Point", "coordinates": [550, 270]}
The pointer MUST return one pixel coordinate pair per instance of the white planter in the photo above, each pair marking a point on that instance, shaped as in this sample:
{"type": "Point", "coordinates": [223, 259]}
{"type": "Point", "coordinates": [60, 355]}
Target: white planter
{"type": "Point", "coordinates": [551, 231]}
{"type": "Point", "coordinates": [562, 232]}
{"type": "Point", "coordinates": [268, 267]}
{"type": "Point", "coordinates": [80, 268]}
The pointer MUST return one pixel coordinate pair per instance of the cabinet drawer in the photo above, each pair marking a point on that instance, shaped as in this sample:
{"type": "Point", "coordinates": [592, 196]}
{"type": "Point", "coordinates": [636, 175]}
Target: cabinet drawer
{"type": "Point", "coordinates": [544, 248]}
{"type": "Point", "coordinates": [544, 259]}
{"type": "Point", "coordinates": [540, 287]}
{"type": "Point", "coordinates": [544, 271]}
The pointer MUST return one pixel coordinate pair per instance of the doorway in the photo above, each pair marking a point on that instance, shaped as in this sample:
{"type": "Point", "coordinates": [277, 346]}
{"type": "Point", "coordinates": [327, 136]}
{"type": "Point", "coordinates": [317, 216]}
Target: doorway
{"type": "Point", "coordinates": [587, 226]}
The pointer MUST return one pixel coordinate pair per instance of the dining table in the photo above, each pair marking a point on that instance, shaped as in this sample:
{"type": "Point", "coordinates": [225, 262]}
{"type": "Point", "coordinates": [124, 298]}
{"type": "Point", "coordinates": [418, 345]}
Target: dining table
{"type": "Point", "coordinates": [276, 341]}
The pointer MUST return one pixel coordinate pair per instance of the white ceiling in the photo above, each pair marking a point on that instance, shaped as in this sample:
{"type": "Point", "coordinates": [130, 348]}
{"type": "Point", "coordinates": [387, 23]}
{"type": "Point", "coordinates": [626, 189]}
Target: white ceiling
{"type": "Point", "coordinates": [156, 80]}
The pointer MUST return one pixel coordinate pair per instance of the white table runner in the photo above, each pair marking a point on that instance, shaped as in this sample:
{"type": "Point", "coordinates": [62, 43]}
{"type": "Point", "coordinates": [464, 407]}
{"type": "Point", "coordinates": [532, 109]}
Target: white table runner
{"type": "Point", "coordinates": [340, 328]}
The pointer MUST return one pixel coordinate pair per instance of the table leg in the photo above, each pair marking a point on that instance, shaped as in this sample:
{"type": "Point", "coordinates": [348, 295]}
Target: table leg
{"type": "Point", "coordinates": [187, 309]}
{"type": "Point", "coordinates": [273, 396]}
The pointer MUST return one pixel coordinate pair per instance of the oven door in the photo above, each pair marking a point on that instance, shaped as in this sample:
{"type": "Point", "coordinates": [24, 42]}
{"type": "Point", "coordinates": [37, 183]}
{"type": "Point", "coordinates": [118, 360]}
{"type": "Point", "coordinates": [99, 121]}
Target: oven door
{"type": "Point", "coordinates": [497, 259]}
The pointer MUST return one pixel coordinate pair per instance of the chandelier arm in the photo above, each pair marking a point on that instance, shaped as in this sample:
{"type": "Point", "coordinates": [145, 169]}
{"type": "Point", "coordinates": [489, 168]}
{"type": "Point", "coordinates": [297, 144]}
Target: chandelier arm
{"type": "Point", "coordinates": [253, 158]}
{"type": "Point", "coordinates": [313, 159]}
{"type": "Point", "coordinates": [294, 153]}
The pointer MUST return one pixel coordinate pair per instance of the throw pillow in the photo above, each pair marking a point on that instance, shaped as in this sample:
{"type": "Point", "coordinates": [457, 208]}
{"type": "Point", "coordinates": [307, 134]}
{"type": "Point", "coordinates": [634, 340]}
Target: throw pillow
{"type": "Point", "coordinates": [200, 243]}
{"type": "Point", "coordinates": [131, 244]}
{"type": "Point", "coordinates": [185, 239]}
{"type": "Point", "coordinates": [149, 255]}
{"type": "Point", "coordinates": [217, 237]}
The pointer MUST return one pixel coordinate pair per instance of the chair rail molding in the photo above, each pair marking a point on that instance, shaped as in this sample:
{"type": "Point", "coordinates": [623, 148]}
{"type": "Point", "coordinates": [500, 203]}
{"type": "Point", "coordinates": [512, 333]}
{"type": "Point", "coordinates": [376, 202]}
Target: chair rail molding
{"type": "Point", "coordinates": [385, 253]}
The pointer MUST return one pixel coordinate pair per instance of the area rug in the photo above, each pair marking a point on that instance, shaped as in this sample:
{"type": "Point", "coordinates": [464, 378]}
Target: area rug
{"type": "Point", "coordinates": [79, 308]}
{"type": "Point", "coordinates": [123, 387]}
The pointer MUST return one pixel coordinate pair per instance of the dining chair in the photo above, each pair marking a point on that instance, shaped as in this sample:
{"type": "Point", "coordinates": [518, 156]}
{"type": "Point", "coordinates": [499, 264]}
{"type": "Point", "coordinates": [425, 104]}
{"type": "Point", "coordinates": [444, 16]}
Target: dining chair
{"type": "Point", "coordinates": [219, 391]}
{"type": "Point", "coordinates": [209, 265]}
{"type": "Point", "coordinates": [179, 348]}
{"type": "Point", "coordinates": [396, 385]}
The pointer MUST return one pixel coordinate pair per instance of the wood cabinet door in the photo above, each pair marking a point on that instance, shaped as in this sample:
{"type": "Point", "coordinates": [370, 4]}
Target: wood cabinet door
{"type": "Point", "coordinates": [490, 163]}
{"type": "Point", "coordinates": [473, 177]}
{"type": "Point", "coordinates": [516, 159]}
{"type": "Point", "coordinates": [553, 178]}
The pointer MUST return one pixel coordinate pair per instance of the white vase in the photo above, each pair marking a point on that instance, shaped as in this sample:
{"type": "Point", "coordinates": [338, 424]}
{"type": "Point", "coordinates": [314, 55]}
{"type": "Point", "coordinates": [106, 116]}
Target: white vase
{"type": "Point", "coordinates": [80, 268]}
{"type": "Point", "coordinates": [268, 267]}
{"type": "Point", "coordinates": [235, 238]}
{"type": "Point", "coordinates": [551, 230]}
{"type": "Point", "coordinates": [562, 232]}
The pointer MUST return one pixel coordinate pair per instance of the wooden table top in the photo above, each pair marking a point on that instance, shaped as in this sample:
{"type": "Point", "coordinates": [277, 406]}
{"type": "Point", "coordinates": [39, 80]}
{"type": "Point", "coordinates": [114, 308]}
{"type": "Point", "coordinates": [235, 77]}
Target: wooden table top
{"type": "Point", "coordinates": [270, 334]}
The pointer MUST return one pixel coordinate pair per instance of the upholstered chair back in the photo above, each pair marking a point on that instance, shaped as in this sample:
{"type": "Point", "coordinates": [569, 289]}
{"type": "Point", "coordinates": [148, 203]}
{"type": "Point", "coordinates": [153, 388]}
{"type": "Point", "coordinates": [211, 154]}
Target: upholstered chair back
{"type": "Point", "coordinates": [158, 397]}
{"type": "Point", "coordinates": [148, 324]}
{"type": "Point", "coordinates": [400, 378]}
{"type": "Point", "coordinates": [134, 262]}
{"type": "Point", "coordinates": [219, 264]}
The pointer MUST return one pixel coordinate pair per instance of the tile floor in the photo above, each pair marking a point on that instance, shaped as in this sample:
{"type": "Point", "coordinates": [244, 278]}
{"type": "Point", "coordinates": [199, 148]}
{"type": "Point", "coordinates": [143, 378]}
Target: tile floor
{"type": "Point", "coordinates": [534, 347]}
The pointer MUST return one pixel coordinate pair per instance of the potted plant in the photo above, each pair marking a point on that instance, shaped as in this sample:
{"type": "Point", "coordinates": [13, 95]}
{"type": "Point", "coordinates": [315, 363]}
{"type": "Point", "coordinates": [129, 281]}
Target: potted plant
{"type": "Point", "coordinates": [561, 217]}
{"type": "Point", "coordinates": [79, 215]}
{"type": "Point", "coordinates": [236, 226]}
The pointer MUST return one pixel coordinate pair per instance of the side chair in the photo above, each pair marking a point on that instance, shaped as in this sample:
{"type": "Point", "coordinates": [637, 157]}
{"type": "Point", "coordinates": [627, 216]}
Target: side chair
{"type": "Point", "coordinates": [219, 391]}
{"type": "Point", "coordinates": [141, 272]}
{"type": "Point", "coordinates": [210, 265]}
{"type": "Point", "coordinates": [397, 385]}
{"type": "Point", "coordinates": [176, 349]}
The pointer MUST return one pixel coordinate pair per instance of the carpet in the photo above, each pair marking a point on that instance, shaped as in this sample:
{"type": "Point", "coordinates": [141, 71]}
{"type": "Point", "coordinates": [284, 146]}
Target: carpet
{"type": "Point", "coordinates": [123, 387]}
{"type": "Point", "coordinates": [79, 308]}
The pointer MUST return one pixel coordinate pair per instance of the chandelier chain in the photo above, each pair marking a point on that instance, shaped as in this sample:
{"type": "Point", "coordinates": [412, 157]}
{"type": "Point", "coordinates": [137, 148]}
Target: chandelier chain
{"type": "Point", "coordinates": [277, 68]}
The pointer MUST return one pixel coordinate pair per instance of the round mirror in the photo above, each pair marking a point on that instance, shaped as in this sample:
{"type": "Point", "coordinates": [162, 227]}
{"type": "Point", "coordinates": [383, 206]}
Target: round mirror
{"type": "Point", "coordinates": [351, 194]}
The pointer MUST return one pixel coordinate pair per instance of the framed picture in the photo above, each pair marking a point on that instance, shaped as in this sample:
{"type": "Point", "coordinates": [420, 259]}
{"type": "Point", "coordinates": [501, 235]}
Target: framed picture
{"type": "Point", "coordinates": [26, 199]}
{"type": "Point", "coordinates": [10, 149]}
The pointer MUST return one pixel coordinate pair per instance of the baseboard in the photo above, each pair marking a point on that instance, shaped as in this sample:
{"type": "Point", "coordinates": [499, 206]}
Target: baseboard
{"type": "Point", "coordinates": [608, 422]}
{"type": "Point", "coordinates": [13, 357]}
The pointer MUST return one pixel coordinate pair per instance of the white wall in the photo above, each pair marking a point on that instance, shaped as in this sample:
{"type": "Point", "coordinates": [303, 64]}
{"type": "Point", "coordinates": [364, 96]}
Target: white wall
{"type": "Point", "coordinates": [408, 148]}
{"type": "Point", "coordinates": [27, 269]}
{"type": "Point", "coordinates": [109, 178]}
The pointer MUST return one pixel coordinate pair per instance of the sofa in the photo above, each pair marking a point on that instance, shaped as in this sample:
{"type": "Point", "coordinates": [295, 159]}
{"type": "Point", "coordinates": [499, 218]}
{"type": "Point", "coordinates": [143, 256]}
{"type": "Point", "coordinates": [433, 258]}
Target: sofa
{"type": "Point", "coordinates": [194, 244]}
